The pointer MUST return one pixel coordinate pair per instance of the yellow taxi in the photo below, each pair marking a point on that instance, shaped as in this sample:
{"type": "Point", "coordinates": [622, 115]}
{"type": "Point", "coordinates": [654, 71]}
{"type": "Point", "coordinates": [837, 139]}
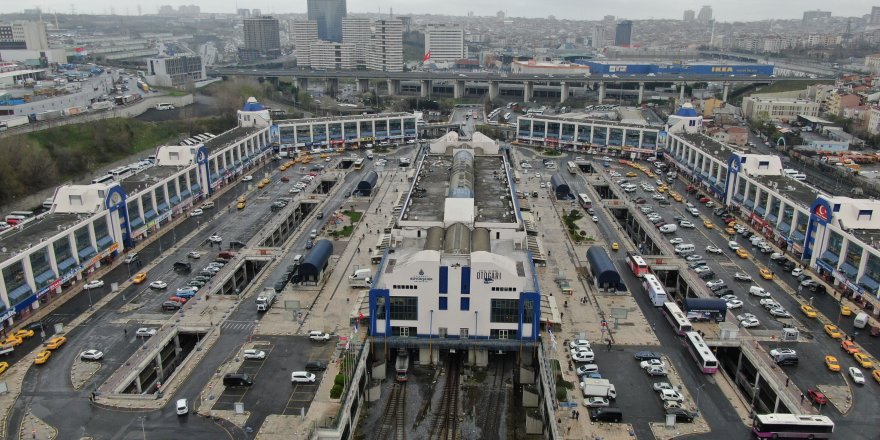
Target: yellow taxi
{"type": "Point", "coordinates": [732, 224]}
{"type": "Point", "coordinates": [708, 224]}
{"type": "Point", "coordinates": [833, 331]}
{"type": "Point", "coordinates": [876, 375]}
{"type": "Point", "coordinates": [651, 175]}
{"type": "Point", "coordinates": [240, 205]}
{"type": "Point", "coordinates": [662, 189]}
{"type": "Point", "coordinates": [766, 273]}
{"type": "Point", "coordinates": [863, 360]}
{"type": "Point", "coordinates": [139, 277]}
{"type": "Point", "coordinates": [3, 367]}
{"type": "Point", "coordinates": [831, 363]}
{"type": "Point", "coordinates": [615, 246]}
{"type": "Point", "coordinates": [845, 311]}
{"type": "Point", "coordinates": [809, 311]}
{"type": "Point", "coordinates": [14, 340]}
{"type": "Point", "coordinates": [56, 342]}
{"type": "Point", "coordinates": [263, 183]}
{"type": "Point", "coordinates": [730, 231]}
{"type": "Point", "coordinates": [742, 253]}
{"type": "Point", "coordinates": [324, 155]}
{"type": "Point", "coordinates": [282, 168]}
{"type": "Point", "coordinates": [630, 174]}
{"type": "Point", "coordinates": [42, 357]}
{"type": "Point", "coordinates": [24, 333]}
{"type": "Point", "coordinates": [241, 199]}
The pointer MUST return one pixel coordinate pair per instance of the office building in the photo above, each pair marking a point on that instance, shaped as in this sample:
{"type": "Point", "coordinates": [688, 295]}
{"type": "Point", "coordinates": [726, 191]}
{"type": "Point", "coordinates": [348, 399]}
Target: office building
{"type": "Point", "coordinates": [386, 46]}
{"type": "Point", "coordinates": [24, 35]}
{"type": "Point", "coordinates": [776, 109]}
{"type": "Point", "coordinates": [705, 14]}
{"type": "Point", "coordinates": [357, 32]}
{"type": "Point", "coordinates": [178, 71]}
{"type": "Point", "coordinates": [329, 55]}
{"type": "Point", "coordinates": [261, 39]}
{"type": "Point", "coordinates": [623, 34]}
{"type": "Point", "coordinates": [815, 15]}
{"type": "Point", "coordinates": [689, 15]}
{"type": "Point", "coordinates": [599, 38]}
{"type": "Point", "coordinates": [875, 15]}
{"type": "Point", "coordinates": [305, 33]}
{"type": "Point", "coordinates": [328, 14]}
{"type": "Point", "coordinates": [445, 43]}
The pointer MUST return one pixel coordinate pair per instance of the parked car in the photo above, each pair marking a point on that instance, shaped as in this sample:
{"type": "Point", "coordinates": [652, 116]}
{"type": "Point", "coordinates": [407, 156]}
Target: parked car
{"type": "Point", "coordinates": [91, 355]}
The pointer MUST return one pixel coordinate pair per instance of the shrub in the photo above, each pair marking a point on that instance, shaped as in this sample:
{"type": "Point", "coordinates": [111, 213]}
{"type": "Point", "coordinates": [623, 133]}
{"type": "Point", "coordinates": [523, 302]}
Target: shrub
{"type": "Point", "coordinates": [336, 391]}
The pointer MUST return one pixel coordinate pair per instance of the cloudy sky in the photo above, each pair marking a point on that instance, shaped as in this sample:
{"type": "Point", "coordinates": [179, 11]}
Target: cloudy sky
{"type": "Point", "coordinates": [575, 9]}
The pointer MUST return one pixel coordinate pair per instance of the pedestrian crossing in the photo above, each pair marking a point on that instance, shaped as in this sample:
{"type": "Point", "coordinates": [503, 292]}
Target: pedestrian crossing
{"type": "Point", "coordinates": [238, 325]}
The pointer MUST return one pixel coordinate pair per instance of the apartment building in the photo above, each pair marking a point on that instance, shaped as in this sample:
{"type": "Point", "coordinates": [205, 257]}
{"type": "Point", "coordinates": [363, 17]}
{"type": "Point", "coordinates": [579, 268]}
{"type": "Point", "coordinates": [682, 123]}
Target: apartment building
{"type": "Point", "coordinates": [445, 43]}
{"type": "Point", "coordinates": [386, 46]}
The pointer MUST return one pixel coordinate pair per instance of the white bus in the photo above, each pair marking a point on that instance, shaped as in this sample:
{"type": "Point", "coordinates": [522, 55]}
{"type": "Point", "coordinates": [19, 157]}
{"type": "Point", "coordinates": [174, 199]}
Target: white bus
{"type": "Point", "coordinates": [572, 168]}
{"type": "Point", "coordinates": [359, 164]}
{"type": "Point", "coordinates": [494, 113]}
{"type": "Point", "coordinates": [107, 178]}
{"type": "Point", "coordinates": [700, 351]}
{"type": "Point", "coordinates": [677, 319]}
{"type": "Point", "coordinates": [792, 426]}
{"type": "Point", "coordinates": [654, 289]}
{"type": "Point", "coordinates": [121, 173]}
{"type": "Point", "coordinates": [585, 201]}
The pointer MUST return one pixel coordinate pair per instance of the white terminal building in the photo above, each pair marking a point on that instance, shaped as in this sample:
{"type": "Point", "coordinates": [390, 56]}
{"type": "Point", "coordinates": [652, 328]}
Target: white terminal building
{"type": "Point", "coordinates": [457, 270]}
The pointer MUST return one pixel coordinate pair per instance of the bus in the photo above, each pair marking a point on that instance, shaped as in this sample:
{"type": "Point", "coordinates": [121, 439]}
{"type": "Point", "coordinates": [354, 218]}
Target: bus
{"type": "Point", "coordinates": [572, 168]}
{"type": "Point", "coordinates": [516, 176]}
{"type": "Point", "coordinates": [792, 426]}
{"type": "Point", "coordinates": [654, 289]}
{"type": "Point", "coordinates": [494, 113]}
{"type": "Point", "coordinates": [107, 178]}
{"type": "Point", "coordinates": [676, 318]}
{"type": "Point", "coordinates": [637, 265]}
{"type": "Point", "coordinates": [700, 351]}
{"type": "Point", "coordinates": [359, 164]}
{"type": "Point", "coordinates": [585, 201]}
{"type": "Point", "coordinates": [121, 173]}
{"type": "Point", "coordinates": [19, 217]}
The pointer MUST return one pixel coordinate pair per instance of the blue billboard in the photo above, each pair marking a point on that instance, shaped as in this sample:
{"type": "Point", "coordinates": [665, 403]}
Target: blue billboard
{"type": "Point", "coordinates": [625, 68]}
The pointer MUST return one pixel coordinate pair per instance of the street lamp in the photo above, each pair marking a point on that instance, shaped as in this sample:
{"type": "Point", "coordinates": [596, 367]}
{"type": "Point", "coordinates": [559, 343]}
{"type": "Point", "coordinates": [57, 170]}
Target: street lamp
{"type": "Point", "coordinates": [699, 392]}
{"type": "Point", "coordinates": [431, 336]}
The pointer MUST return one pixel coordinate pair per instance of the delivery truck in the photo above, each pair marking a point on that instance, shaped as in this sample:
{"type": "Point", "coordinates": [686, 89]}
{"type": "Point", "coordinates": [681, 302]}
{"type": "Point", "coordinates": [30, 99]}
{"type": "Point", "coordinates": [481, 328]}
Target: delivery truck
{"type": "Point", "coordinates": [265, 299]}
{"type": "Point", "coordinates": [598, 388]}
{"type": "Point", "coordinates": [360, 278]}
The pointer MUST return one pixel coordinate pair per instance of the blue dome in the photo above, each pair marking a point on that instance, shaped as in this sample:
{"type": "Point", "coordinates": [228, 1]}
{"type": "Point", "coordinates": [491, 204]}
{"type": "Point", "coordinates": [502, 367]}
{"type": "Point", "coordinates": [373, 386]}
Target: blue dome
{"type": "Point", "coordinates": [253, 107]}
{"type": "Point", "coordinates": [687, 112]}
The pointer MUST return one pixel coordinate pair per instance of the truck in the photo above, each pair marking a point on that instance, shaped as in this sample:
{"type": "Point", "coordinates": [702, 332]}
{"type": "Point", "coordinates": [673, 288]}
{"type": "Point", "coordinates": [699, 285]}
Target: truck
{"type": "Point", "coordinates": [14, 121]}
{"type": "Point", "coordinates": [598, 388]}
{"type": "Point", "coordinates": [6, 348]}
{"type": "Point", "coordinates": [49, 115]}
{"type": "Point", "coordinates": [265, 299]}
{"type": "Point", "coordinates": [861, 320]}
{"type": "Point", "coordinates": [102, 105]}
{"type": "Point", "coordinates": [360, 278]}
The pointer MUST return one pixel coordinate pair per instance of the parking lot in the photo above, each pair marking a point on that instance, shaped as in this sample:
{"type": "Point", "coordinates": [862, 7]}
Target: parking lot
{"type": "Point", "coordinates": [272, 391]}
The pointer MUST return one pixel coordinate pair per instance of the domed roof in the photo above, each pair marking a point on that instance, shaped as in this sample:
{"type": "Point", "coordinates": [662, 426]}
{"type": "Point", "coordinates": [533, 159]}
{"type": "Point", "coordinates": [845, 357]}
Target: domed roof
{"type": "Point", "coordinates": [687, 111]}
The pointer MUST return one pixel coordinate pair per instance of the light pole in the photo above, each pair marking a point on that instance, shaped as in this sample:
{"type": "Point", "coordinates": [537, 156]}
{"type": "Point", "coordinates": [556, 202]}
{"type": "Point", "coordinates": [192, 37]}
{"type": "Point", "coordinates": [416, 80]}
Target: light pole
{"type": "Point", "coordinates": [143, 431]}
{"type": "Point", "coordinates": [755, 390]}
{"type": "Point", "coordinates": [476, 323]}
{"type": "Point", "coordinates": [431, 336]}
{"type": "Point", "coordinates": [699, 393]}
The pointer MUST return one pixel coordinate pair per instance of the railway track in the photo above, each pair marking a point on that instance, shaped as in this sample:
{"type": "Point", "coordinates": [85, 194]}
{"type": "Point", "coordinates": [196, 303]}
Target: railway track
{"type": "Point", "coordinates": [494, 404]}
{"type": "Point", "coordinates": [392, 424]}
{"type": "Point", "coordinates": [445, 426]}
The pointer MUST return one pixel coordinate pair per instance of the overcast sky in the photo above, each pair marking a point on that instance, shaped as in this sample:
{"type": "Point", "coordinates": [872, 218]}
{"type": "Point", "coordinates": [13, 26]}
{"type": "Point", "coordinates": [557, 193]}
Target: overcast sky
{"type": "Point", "coordinates": [730, 10]}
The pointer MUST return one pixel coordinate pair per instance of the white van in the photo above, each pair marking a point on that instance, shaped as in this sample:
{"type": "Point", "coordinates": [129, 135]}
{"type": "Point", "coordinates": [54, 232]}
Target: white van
{"type": "Point", "coordinates": [799, 177]}
{"type": "Point", "coordinates": [313, 234]}
{"type": "Point", "coordinates": [297, 259]}
{"type": "Point", "coordinates": [861, 320]}
{"type": "Point", "coordinates": [669, 228]}
{"type": "Point", "coordinates": [164, 106]}
{"type": "Point", "coordinates": [684, 248]}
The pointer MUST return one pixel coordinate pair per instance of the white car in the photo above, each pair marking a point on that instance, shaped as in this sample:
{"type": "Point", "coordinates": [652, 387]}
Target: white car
{"type": "Point", "coordinates": [583, 356]}
{"type": "Point", "coordinates": [207, 205]}
{"type": "Point", "coordinates": [857, 375]}
{"type": "Point", "coordinates": [94, 284]}
{"type": "Point", "coordinates": [715, 283]}
{"type": "Point", "coordinates": [687, 224]}
{"type": "Point", "coordinates": [769, 303]}
{"type": "Point", "coordinates": [194, 255]}
{"type": "Point", "coordinates": [596, 402]}
{"type": "Point", "coordinates": [91, 355]}
{"type": "Point", "coordinates": [247, 178]}
{"type": "Point", "coordinates": [745, 316]}
{"type": "Point", "coordinates": [734, 304]}
{"type": "Point", "coordinates": [651, 363]}
{"type": "Point", "coordinates": [579, 343]}
{"type": "Point", "coordinates": [302, 377]}
{"type": "Point", "coordinates": [759, 292]}
{"type": "Point", "coordinates": [215, 238]}
{"type": "Point", "coordinates": [295, 190]}
{"type": "Point", "coordinates": [254, 354]}
{"type": "Point", "coordinates": [797, 271]}
{"type": "Point", "coordinates": [317, 335]}
{"type": "Point", "coordinates": [713, 250]}
{"type": "Point", "coordinates": [158, 285]}
{"type": "Point", "coordinates": [701, 269]}
{"type": "Point", "coordinates": [672, 395]}
{"type": "Point", "coordinates": [537, 175]}
{"type": "Point", "coordinates": [729, 298]}
{"type": "Point", "coordinates": [742, 276]}
{"type": "Point", "coordinates": [779, 312]}
{"type": "Point", "coordinates": [657, 196]}
{"type": "Point", "coordinates": [660, 386]}
{"type": "Point", "coordinates": [693, 257]}
{"type": "Point", "coordinates": [596, 219]}
{"type": "Point", "coordinates": [776, 352]}
{"type": "Point", "coordinates": [145, 332]}
{"type": "Point", "coordinates": [733, 245]}
{"type": "Point", "coordinates": [677, 240]}
{"type": "Point", "coordinates": [196, 212]}
{"type": "Point", "coordinates": [749, 323]}
{"type": "Point", "coordinates": [587, 369]}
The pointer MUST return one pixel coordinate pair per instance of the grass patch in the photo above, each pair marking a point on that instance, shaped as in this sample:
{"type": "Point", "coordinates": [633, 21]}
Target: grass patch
{"type": "Point", "coordinates": [344, 232]}
{"type": "Point", "coordinates": [574, 231]}
{"type": "Point", "coordinates": [788, 86]}
{"type": "Point", "coordinates": [355, 216]}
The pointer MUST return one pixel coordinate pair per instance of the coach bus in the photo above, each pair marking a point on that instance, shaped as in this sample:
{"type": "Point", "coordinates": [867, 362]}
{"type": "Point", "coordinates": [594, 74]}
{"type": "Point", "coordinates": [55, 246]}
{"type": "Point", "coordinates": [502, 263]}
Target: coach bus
{"type": "Point", "coordinates": [700, 351]}
{"type": "Point", "coordinates": [637, 265]}
{"type": "Point", "coordinates": [792, 426]}
{"type": "Point", "coordinates": [654, 289]}
{"type": "Point", "coordinates": [572, 168]}
{"type": "Point", "coordinates": [676, 318]}
{"type": "Point", "coordinates": [585, 201]}
{"type": "Point", "coordinates": [359, 164]}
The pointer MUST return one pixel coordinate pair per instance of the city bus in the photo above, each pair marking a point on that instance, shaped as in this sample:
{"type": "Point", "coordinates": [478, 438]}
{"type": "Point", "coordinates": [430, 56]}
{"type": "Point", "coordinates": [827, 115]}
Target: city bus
{"type": "Point", "coordinates": [572, 168]}
{"type": "Point", "coordinates": [494, 113]}
{"type": "Point", "coordinates": [676, 318]}
{"type": "Point", "coordinates": [637, 265]}
{"type": "Point", "coordinates": [792, 426]}
{"type": "Point", "coordinates": [654, 289]}
{"type": "Point", "coordinates": [107, 178]}
{"type": "Point", "coordinates": [516, 176]}
{"type": "Point", "coordinates": [359, 164]}
{"type": "Point", "coordinates": [585, 201]}
{"type": "Point", "coordinates": [700, 351]}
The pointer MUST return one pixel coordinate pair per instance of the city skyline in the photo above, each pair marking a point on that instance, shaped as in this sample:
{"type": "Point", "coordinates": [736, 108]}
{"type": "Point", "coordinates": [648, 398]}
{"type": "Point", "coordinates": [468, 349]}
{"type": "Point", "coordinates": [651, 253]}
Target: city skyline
{"type": "Point", "coordinates": [745, 10]}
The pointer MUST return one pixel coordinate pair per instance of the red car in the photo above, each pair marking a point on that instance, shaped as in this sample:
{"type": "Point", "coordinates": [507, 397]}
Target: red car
{"type": "Point", "coordinates": [313, 174]}
{"type": "Point", "coordinates": [704, 199]}
{"type": "Point", "coordinates": [177, 299]}
{"type": "Point", "coordinates": [285, 179]}
{"type": "Point", "coordinates": [817, 396]}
